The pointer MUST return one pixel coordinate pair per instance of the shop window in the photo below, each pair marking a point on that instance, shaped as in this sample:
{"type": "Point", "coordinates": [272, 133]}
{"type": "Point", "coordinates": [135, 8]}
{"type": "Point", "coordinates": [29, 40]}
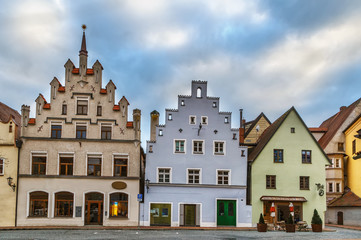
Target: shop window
{"type": "Point", "coordinates": [222, 177]}
{"type": "Point", "coordinates": [56, 131]}
{"type": "Point", "coordinates": [94, 166]}
{"type": "Point", "coordinates": [64, 204]}
{"type": "Point", "coordinates": [271, 181]}
{"type": "Point", "coordinates": [106, 132]}
{"type": "Point", "coordinates": [82, 107]}
{"type": "Point", "coordinates": [164, 175]}
{"type": "Point", "coordinates": [194, 176]}
{"type": "Point", "coordinates": [219, 148]}
{"type": "Point", "coordinates": [80, 131]}
{"type": "Point", "coordinates": [66, 165]}
{"type": "Point", "coordinates": [38, 204]}
{"type": "Point", "coordinates": [118, 205]}
{"type": "Point", "coordinates": [278, 155]}
{"type": "Point", "coordinates": [306, 156]}
{"type": "Point", "coordinates": [120, 167]}
{"type": "Point", "coordinates": [304, 183]}
{"type": "Point", "coordinates": [179, 146]}
{"type": "Point", "coordinates": [38, 164]}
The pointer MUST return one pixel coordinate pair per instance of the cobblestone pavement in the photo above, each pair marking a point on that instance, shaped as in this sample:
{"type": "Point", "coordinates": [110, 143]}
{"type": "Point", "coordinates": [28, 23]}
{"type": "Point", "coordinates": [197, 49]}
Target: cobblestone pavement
{"type": "Point", "coordinates": [340, 233]}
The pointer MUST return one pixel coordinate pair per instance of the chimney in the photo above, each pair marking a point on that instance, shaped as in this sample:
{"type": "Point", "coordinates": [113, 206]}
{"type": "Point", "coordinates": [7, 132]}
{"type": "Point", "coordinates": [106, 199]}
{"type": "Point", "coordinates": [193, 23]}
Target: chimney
{"type": "Point", "coordinates": [25, 112]}
{"type": "Point", "coordinates": [154, 121]}
{"type": "Point", "coordinates": [241, 128]}
{"type": "Point", "coordinates": [136, 122]}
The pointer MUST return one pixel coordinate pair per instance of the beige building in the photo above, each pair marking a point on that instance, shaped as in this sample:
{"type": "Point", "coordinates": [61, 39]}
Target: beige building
{"type": "Point", "coordinates": [81, 157]}
{"type": "Point", "coordinates": [9, 133]}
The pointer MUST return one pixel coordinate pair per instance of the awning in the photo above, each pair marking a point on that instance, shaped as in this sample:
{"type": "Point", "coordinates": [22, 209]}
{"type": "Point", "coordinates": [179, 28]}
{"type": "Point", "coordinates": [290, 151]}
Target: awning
{"type": "Point", "coordinates": [283, 199]}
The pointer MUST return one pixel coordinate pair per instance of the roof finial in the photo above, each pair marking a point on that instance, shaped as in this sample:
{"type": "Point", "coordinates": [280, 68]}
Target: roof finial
{"type": "Point", "coordinates": [83, 50]}
{"type": "Point", "coordinates": [83, 27]}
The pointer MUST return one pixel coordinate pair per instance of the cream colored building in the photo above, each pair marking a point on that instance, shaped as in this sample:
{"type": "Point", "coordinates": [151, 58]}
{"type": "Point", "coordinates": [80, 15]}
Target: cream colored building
{"type": "Point", "coordinates": [80, 161]}
{"type": "Point", "coordinates": [9, 122]}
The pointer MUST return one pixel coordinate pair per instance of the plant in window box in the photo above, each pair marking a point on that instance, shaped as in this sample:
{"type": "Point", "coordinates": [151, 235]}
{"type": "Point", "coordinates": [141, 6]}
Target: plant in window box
{"type": "Point", "coordinates": [316, 222]}
{"type": "Point", "coordinates": [261, 225]}
{"type": "Point", "coordinates": [290, 224]}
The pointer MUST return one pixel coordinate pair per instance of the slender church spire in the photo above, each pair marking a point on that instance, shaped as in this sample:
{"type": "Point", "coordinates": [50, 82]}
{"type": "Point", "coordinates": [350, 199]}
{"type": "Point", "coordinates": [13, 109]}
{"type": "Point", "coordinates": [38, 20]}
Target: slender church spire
{"type": "Point", "coordinates": [83, 50]}
{"type": "Point", "coordinates": [83, 57]}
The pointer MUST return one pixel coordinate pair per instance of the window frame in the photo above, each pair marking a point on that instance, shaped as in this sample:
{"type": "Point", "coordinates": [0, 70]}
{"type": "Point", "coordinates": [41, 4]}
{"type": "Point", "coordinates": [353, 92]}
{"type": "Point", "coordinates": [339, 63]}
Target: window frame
{"type": "Point", "coordinates": [108, 134]}
{"type": "Point", "coordinates": [120, 157]}
{"type": "Point", "coordinates": [94, 155]}
{"type": "Point", "coordinates": [206, 118]}
{"type": "Point", "coordinates": [78, 100]}
{"type": "Point", "coordinates": [202, 152]}
{"type": "Point", "coordinates": [64, 109]}
{"type": "Point", "coordinates": [338, 187]}
{"type": "Point", "coordinates": [190, 120]}
{"type": "Point", "coordinates": [76, 130]}
{"type": "Point", "coordinates": [270, 186]}
{"type": "Point", "coordinates": [306, 158]}
{"type": "Point", "coordinates": [66, 200]}
{"type": "Point", "coordinates": [223, 153]}
{"type": "Point", "coordinates": [158, 174]}
{"type": "Point", "coordinates": [66, 155]}
{"type": "Point", "coordinates": [330, 187]}
{"type": "Point", "coordinates": [42, 155]}
{"type": "Point", "coordinates": [175, 146]}
{"type": "Point", "coordinates": [223, 176]}
{"type": "Point", "coordinates": [110, 205]}
{"type": "Point", "coordinates": [53, 124]}
{"type": "Point", "coordinates": [199, 174]}
{"type": "Point", "coordinates": [2, 166]}
{"type": "Point", "coordinates": [304, 182]}
{"type": "Point", "coordinates": [99, 110]}
{"type": "Point", "coordinates": [278, 156]}
{"type": "Point", "coordinates": [30, 213]}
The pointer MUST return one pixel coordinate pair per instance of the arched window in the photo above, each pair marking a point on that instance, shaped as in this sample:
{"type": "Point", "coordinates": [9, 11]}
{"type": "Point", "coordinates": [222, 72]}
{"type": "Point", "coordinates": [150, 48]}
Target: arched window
{"type": "Point", "coordinates": [64, 204]}
{"type": "Point", "coordinates": [38, 204]}
{"type": "Point", "coordinates": [118, 206]}
{"type": "Point", "coordinates": [199, 92]}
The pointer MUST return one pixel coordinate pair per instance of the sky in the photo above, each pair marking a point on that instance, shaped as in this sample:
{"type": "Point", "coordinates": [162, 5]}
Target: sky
{"type": "Point", "coordinates": [261, 56]}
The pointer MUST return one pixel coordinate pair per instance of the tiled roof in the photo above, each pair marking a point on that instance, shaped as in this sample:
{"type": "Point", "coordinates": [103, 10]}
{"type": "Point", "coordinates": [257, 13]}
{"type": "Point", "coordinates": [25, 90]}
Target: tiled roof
{"type": "Point", "coordinates": [61, 89]}
{"type": "Point", "coordinates": [32, 121]}
{"type": "Point", "coordinates": [7, 112]}
{"type": "Point", "coordinates": [75, 70]}
{"type": "Point", "coordinates": [335, 122]}
{"type": "Point", "coordinates": [103, 91]}
{"type": "Point", "coordinates": [89, 71]}
{"type": "Point", "coordinates": [129, 124]}
{"type": "Point", "coordinates": [47, 106]}
{"type": "Point", "coordinates": [317, 130]}
{"type": "Point", "coordinates": [116, 108]}
{"type": "Point", "coordinates": [253, 123]}
{"type": "Point", "coordinates": [349, 199]}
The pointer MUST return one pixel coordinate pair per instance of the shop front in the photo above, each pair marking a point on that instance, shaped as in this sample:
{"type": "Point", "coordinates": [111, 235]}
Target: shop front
{"type": "Point", "coordinates": [160, 214]}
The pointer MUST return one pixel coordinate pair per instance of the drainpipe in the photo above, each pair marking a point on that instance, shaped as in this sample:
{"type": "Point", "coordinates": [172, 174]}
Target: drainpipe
{"type": "Point", "coordinates": [19, 143]}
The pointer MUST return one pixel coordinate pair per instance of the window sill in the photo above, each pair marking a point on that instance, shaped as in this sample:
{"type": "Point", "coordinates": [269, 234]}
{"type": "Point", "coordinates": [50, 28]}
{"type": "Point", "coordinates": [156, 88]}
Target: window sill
{"type": "Point", "coordinates": [219, 154]}
{"type": "Point", "coordinates": [278, 162]}
{"type": "Point", "coordinates": [35, 217]}
{"type": "Point", "coordinates": [179, 152]}
{"type": "Point", "coordinates": [198, 153]}
{"type": "Point", "coordinates": [306, 162]}
{"type": "Point", "coordinates": [118, 218]}
{"type": "Point", "coordinates": [304, 189]}
{"type": "Point", "coordinates": [63, 216]}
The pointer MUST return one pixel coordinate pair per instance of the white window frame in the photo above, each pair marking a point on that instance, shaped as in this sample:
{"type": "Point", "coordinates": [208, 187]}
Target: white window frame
{"type": "Point", "coordinates": [105, 125]}
{"type": "Point", "coordinates": [328, 187]}
{"type": "Point", "coordinates": [204, 117]}
{"type": "Point", "coordinates": [94, 154]}
{"type": "Point", "coordinates": [337, 160]}
{"type": "Point", "coordinates": [229, 176]}
{"type": "Point", "coordinates": [174, 146]}
{"type": "Point", "coordinates": [200, 175]}
{"type": "Point", "coordinates": [224, 147]}
{"type": "Point", "coordinates": [76, 105]}
{"type": "Point", "coordinates": [195, 120]}
{"type": "Point", "coordinates": [119, 155]}
{"type": "Point", "coordinates": [38, 154]}
{"type": "Point", "coordinates": [336, 187]}
{"type": "Point", "coordinates": [65, 154]}
{"type": "Point", "coordinates": [203, 147]}
{"type": "Point", "coordinates": [170, 174]}
{"type": "Point", "coordinates": [3, 165]}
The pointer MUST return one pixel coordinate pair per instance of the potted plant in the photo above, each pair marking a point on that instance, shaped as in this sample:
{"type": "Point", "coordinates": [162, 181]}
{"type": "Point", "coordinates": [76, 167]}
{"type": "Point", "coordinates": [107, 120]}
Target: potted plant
{"type": "Point", "coordinates": [316, 222]}
{"type": "Point", "coordinates": [261, 225]}
{"type": "Point", "coordinates": [290, 224]}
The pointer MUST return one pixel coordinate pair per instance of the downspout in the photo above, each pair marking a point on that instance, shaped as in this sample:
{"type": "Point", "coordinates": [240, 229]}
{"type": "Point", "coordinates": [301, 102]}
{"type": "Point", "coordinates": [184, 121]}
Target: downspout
{"type": "Point", "coordinates": [19, 143]}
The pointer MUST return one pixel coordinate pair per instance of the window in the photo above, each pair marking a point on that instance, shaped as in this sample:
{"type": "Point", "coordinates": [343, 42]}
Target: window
{"type": "Point", "coordinates": [354, 146]}
{"type": "Point", "coordinates": [163, 175]}
{"type": "Point", "coordinates": [197, 147]}
{"type": "Point", "coordinates": [242, 153]}
{"type": "Point", "coordinates": [82, 107]}
{"type": "Point", "coordinates": [38, 204]}
{"type": "Point", "coordinates": [120, 166]}
{"type": "Point", "coordinates": [182, 103]}
{"type": "Point", "coordinates": [56, 131]}
{"type": "Point", "coordinates": [118, 205]}
{"type": "Point", "coordinates": [66, 165]}
{"type": "Point", "coordinates": [160, 132]}
{"type": "Point", "coordinates": [64, 204]}
{"type": "Point", "coordinates": [278, 155]}
{"type": "Point", "coordinates": [150, 148]}
{"type": "Point", "coordinates": [11, 127]}
{"type": "Point", "coordinates": [271, 181]}
{"type": "Point", "coordinates": [170, 117]}
{"type": "Point", "coordinates": [304, 183]}
{"type": "Point", "coordinates": [219, 148]}
{"type": "Point", "coordinates": [99, 110]}
{"type": "Point", "coordinates": [338, 187]}
{"type": "Point", "coordinates": [193, 176]}
{"type": "Point", "coordinates": [38, 164]}
{"type": "Point", "coordinates": [340, 147]}
{"type": "Point", "coordinates": [234, 136]}
{"type": "Point", "coordinates": [204, 120]}
{"type": "Point", "coordinates": [1, 166]}
{"type": "Point", "coordinates": [94, 166]}
{"type": "Point", "coordinates": [199, 92]}
{"type": "Point", "coordinates": [179, 146]}
{"type": "Point", "coordinates": [330, 187]}
{"type": "Point", "coordinates": [214, 104]}
{"type": "Point", "coordinates": [306, 156]}
{"type": "Point", "coordinates": [226, 120]}
{"type": "Point", "coordinates": [222, 177]}
{"type": "Point", "coordinates": [337, 163]}
{"type": "Point", "coordinates": [293, 130]}
{"type": "Point", "coordinates": [64, 109]}
{"type": "Point", "coordinates": [80, 132]}
{"type": "Point", "coordinates": [106, 132]}
{"type": "Point", "coordinates": [192, 120]}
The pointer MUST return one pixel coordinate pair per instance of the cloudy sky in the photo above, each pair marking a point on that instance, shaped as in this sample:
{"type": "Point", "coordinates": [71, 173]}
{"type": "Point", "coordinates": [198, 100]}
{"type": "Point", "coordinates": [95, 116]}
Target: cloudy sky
{"type": "Point", "coordinates": [262, 56]}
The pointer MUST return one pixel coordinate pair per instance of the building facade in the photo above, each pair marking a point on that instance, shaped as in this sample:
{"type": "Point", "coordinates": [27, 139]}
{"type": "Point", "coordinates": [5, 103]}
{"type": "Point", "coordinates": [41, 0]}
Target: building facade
{"type": "Point", "coordinates": [81, 157]}
{"type": "Point", "coordinates": [195, 170]}
{"type": "Point", "coordinates": [9, 132]}
{"type": "Point", "coordinates": [287, 166]}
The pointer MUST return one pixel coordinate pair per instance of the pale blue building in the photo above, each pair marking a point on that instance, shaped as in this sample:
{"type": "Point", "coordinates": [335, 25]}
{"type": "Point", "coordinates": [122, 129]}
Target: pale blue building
{"type": "Point", "coordinates": [196, 170]}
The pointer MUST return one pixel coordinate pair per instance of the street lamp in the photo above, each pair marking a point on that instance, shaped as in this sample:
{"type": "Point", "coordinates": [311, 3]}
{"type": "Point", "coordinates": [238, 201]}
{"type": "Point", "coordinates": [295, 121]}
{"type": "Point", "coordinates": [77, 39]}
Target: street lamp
{"type": "Point", "coordinates": [147, 181]}
{"type": "Point", "coordinates": [11, 184]}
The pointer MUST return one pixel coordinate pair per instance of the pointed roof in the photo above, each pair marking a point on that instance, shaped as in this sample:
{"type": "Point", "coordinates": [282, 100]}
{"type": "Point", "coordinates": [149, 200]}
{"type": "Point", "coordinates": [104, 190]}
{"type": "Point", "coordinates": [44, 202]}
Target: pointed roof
{"type": "Point", "coordinates": [335, 122]}
{"type": "Point", "coordinates": [272, 129]}
{"type": "Point", "coordinates": [7, 112]}
{"type": "Point", "coordinates": [83, 50]}
{"type": "Point", "coordinates": [349, 199]}
{"type": "Point", "coordinates": [111, 82]}
{"type": "Point", "coordinates": [124, 99]}
{"type": "Point", "coordinates": [254, 122]}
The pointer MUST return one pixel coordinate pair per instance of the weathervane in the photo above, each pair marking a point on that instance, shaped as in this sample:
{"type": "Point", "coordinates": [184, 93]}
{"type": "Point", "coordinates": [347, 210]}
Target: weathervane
{"type": "Point", "coordinates": [83, 27]}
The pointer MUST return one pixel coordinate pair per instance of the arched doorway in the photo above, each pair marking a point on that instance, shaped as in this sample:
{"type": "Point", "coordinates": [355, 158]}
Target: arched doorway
{"type": "Point", "coordinates": [340, 218]}
{"type": "Point", "coordinates": [94, 202]}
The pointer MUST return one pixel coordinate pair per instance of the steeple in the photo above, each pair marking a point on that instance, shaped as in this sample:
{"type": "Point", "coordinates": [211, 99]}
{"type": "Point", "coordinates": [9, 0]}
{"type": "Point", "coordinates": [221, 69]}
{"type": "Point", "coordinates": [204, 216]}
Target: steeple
{"type": "Point", "coordinates": [83, 56]}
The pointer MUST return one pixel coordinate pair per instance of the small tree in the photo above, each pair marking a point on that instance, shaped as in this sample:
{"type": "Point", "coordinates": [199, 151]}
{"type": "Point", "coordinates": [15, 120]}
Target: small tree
{"type": "Point", "coordinates": [261, 219]}
{"type": "Point", "coordinates": [289, 220]}
{"type": "Point", "coordinates": [316, 219]}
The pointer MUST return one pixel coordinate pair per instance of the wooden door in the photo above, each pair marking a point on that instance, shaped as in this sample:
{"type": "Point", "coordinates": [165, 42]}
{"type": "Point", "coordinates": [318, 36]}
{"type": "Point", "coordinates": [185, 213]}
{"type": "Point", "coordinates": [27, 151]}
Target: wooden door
{"type": "Point", "coordinates": [189, 215]}
{"type": "Point", "coordinates": [340, 218]}
{"type": "Point", "coordinates": [94, 212]}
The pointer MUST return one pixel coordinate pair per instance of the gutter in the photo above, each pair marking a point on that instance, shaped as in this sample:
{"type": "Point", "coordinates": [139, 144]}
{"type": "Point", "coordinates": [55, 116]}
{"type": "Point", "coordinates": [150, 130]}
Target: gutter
{"type": "Point", "coordinates": [19, 143]}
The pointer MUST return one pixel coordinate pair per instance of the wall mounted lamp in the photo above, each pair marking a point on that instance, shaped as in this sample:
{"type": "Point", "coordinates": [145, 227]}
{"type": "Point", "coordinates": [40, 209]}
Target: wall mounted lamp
{"type": "Point", "coordinates": [11, 184]}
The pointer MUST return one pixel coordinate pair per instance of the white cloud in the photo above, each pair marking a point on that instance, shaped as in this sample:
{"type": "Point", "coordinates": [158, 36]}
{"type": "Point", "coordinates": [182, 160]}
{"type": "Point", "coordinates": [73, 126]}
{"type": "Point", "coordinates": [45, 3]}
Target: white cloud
{"type": "Point", "coordinates": [166, 39]}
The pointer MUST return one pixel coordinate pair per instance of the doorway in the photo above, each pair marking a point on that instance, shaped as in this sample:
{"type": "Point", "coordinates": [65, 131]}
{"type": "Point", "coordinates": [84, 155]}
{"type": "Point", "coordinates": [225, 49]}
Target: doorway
{"type": "Point", "coordinates": [226, 213]}
{"type": "Point", "coordinates": [339, 218]}
{"type": "Point", "coordinates": [160, 214]}
{"type": "Point", "coordinates": [94, 209]}
{"type": "Point", "coordinates": [190, 215]}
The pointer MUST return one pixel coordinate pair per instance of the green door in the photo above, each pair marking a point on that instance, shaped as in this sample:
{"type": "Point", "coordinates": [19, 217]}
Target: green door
{"type": "Point", "coordinates": [189, 215]}
{"type": "Point", "coordinates": [226, 213]}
